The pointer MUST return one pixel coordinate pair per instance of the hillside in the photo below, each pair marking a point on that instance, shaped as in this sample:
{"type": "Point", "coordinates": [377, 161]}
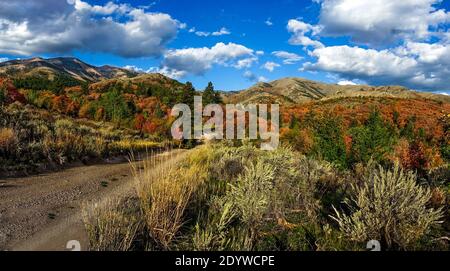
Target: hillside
{"type": "Point", "coordinates": [298, 90]}
{"type": "Point", "coordinates": [154, 80]}
{"type": "Point", "coordinates": [141, 103]}
{"type": "Point", "coordinates": [61, 66]}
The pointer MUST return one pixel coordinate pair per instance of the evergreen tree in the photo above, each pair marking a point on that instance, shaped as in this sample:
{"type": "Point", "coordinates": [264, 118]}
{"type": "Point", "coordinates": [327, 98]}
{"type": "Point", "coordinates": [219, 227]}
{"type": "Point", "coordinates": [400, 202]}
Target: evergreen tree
{"type": "Point", "coordinates": [217, 98]}
{"type": "Point", "coordinates": [329, 140]}
{"type": "Point", "coordinates": [85, 88]}
{"type": "Point", "coordinates": [116, 108]}
{"type": "Point", "coordinates": [210, 96]}
{"type": "Point", "coordinates": [373, 140]}
{"type": "Point", "coordinates": [188, 94]}
{"type": "Point", "coordinates": [408, 130]}
{"type": "Point", "coordinates": [159, 113]}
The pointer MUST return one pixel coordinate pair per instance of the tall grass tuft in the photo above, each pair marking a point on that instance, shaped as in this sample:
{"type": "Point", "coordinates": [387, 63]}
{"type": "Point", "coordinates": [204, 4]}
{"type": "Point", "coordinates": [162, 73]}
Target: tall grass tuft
{"type": "Point", "coordinates": [111, 225]}
{"type": "Point", "coordinates": [7, 139]}
{"type": "Point", "coordinates": [164, 191]}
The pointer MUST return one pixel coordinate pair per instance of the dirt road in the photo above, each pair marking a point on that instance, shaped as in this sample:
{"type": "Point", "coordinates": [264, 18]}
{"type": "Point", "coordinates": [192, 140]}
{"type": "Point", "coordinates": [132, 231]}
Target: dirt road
{"type": "Point", "coordinates": [44, 212]}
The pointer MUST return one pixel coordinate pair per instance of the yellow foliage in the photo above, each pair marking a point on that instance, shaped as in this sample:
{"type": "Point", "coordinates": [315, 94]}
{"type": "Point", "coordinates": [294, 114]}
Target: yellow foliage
{"type": "Point", "coordinates": [7, 138]}
{"type": "Point", "coordinates": [139, 145]}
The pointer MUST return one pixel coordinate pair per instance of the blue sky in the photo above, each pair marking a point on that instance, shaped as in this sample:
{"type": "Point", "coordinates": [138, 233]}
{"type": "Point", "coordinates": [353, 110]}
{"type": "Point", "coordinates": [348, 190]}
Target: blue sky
{"type": "Point", "coordinates": [238, 43]}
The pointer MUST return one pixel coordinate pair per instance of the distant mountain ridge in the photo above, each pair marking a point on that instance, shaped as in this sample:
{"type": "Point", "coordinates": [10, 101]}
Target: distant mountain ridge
{"type": "Point", "coordinates": [286, 91]}
{"type": "Point", "coordinates": [293, 90]}
{"type": "Point", "coordinates": [65, 66]}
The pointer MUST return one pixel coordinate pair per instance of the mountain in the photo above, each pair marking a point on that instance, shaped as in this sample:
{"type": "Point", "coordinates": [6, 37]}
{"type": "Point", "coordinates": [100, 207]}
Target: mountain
{"type": "Point", "coordinates": [298, 90]}
{"type": "Point", "coordinates": [150, 80]}
{"type": "Point", "coordinates": [61, 66]}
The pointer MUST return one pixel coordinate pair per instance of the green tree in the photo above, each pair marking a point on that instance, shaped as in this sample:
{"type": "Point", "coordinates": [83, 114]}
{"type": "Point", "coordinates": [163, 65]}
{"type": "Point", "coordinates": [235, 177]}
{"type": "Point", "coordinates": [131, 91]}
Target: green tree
{"type": "Point", "coordinates": [188, 93]}
{"type": "Point", "coordinates": [85, 88]}
{"type": "Point", "coordinates": [372, 140]}
{"type": "Point", "coordinates": [217, 97]}
{"type": "Point", "coordinates": [408, 130]}
{"type": "Point", "coordinates": [116, 108]}
{"type": "Point", "coordinates": [210, 96]}
{"type": "Point", "coordinates": [142, 90]}
{"type": "Point", "coordinates": [56, 85]}
{"type": "Point", "coordinates": [329, 140]}
{"type": "Point", "coordinates": [159, 113]}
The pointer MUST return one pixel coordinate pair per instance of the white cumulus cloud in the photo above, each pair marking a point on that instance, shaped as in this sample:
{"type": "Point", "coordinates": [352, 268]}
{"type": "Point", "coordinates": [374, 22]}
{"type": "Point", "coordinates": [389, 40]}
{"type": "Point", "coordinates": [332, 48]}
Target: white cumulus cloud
{"type": "Point", "coordinates": [199, 60]}
{"type": "Point", "coordinates": [415, 65]}
{"type": "Point", "coordinates": [254, 78]}
{"type": "Point", "coordinates": [346, 83]}
{"type": "Point", "coordinates": [134, 68]}
{"type": "Point", "coordinates": [396, 34]}
{"type": "Point", "coordinates": [380, 21]}
{"type": "Point", "coordinates": [300, 31]}
{"type": "Point", "coordinates": [221, 32]}
{"type": "Point", "coordinates": [363, 62]}
{"type": "Point", "coordinates": [54, 26]}
{"type": "Point", "coordinates": [270, 66]}
{"type": "Point", "coordinates": [288, 58]}
{"type": "Point", "coordinates": [245, 62]}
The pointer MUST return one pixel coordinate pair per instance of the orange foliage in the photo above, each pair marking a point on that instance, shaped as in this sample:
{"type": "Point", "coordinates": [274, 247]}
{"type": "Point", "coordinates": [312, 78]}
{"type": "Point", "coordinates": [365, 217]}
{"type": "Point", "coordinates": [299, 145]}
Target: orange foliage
{"type": "Point", "coordinates": [12, 94]}
{"type": "Point", "coordinates": [354, 110]}
{"type": "Point", "coordinates": [60, 103]}
{"type": "Point", "coordinates": [99, 114]}
{"type": "Point", "coordinates": [139, 121]}
{"type": "Point", "coordinates": [150, 127]}
{"type": "Point", "coordinates": [94, 96]}
{"type": "Point", "coordinates": [301, 140]}
{"type": "Point", "coordinates": [416, 156]}
{"type": "Point", "coordinates": [73, 108]}
{"type": "Point", "coordinates": [348, 140]}
{"type": "Point", "coordinates": [84, 110]}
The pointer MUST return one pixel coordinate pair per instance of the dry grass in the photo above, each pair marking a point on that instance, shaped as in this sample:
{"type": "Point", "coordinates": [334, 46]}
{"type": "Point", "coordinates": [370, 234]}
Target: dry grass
{"type": "Point", "coordinates": [135, 145]}
{"type": "Point", "coordinates": [119, 222]}
{"type": "Point", "coordinates": [111, 225]}
{"type": "Point", "coordinates": [164, 191]}
{"type": "Point", "coordinates": [7, 138]}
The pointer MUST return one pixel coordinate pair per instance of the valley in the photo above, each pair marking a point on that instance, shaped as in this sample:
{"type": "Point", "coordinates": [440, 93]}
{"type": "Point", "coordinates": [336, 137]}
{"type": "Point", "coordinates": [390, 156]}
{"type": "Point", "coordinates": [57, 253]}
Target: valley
{"type": "Point", "coordinates": [347, 155]}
